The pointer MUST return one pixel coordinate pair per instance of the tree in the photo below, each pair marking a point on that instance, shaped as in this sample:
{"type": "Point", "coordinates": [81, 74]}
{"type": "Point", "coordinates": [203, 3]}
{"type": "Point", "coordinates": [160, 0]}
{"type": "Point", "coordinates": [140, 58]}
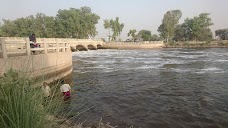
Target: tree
{"type": "Point", "coordinates": [8, 28]}
{"type": "Point", "coordinates": [169, 22]}
{"type": "Point", "coordinates": [132, 33]}
{"type": "Point", "coordinates": [145, 35]}
{"type": "Point", "coordinates": [107, 25]}
{"type": "Point", "coordinates": [49, 27]}
{"type": "Point", "coordinates": [155, 37]}
{"type": "Point", "coordinates": [200, 24]}
{"type": "Point", "coordinates": [116, 27]}
{"type": "Point", "coordinates": [196, 29]}
{"type": "Point", "coordinates": [1, 34]}
{"type": "Point", "coordinates": [182, 32]}
{"type": "Point", "coordinates": [75, 23]}
{"type": "Point", "coordinates": [205, 35]}
{"type": "Point", "coordinates": [221, 33]}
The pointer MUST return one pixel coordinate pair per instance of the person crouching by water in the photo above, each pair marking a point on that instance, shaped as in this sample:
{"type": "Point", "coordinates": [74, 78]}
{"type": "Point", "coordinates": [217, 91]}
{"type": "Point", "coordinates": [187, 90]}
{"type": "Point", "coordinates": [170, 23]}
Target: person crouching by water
{"type": "Point", "coordinates": [65, 89]}
{"type": "Point", "coordinates": [46, 91]}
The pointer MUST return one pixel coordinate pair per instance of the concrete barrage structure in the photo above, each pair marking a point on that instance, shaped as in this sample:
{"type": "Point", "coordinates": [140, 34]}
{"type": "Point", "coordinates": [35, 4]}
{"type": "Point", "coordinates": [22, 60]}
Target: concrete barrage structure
{"type": "Point", "coordinates": [134, 45]}
{"type": "Point", "coordinates": [51, 60]}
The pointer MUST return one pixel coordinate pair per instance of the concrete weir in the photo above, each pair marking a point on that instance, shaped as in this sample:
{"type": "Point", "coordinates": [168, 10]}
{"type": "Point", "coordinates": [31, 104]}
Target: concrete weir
{"type": "Point", "coordinates": [52, 60]}
{"type": "Point", "coordinates": [134, 45]}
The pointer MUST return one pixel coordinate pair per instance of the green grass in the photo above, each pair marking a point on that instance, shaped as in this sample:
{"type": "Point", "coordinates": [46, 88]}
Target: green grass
{"type": "Point", "coordinates": [22, 103]}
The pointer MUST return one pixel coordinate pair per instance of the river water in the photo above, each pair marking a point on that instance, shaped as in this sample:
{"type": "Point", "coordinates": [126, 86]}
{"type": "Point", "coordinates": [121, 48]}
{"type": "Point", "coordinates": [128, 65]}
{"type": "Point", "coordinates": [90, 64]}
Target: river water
{"type": "Point", "coordinates": [159, 88]}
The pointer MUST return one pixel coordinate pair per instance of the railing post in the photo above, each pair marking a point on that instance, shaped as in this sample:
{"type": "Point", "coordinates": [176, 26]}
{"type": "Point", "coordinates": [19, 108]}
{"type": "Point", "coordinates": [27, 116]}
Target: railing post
{"type": "Point", "coordinates": [4, 52]}
{"type": "Point", "coordinates": [28, 51]}
{"type": "Point", "coordinates": [68, 47]}
{"type": "Point", "coordinates": [57, 45]}
{"type": "Point", "coordinates": [45, 46]}
{"type": "Point", "coordinates": [64, 46]}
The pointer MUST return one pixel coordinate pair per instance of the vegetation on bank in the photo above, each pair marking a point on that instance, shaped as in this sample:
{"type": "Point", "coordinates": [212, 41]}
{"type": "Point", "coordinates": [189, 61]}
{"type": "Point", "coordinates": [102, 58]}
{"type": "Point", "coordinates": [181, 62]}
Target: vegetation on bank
{"type": "Point", "coordinates": [222, 34]}
{"type": "Point", "coordinates": [143, 35]}
{"type": "Point", "coordinates": [22, 104]}
{"type": "Point", "coordinates": [81, 24]}
{"type": "Point", "coordinates": [193, 44]}
{"type": "Point", "coordinates": [71, 23]}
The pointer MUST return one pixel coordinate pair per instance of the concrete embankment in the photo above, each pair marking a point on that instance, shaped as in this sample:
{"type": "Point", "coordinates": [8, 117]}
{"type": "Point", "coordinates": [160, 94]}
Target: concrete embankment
{"type": "Point", "coordinates": [52, 65]}
{"type": "Point", "coordinates": [133, 45]}
{"type": "Point", "coordinates": [50, 61]}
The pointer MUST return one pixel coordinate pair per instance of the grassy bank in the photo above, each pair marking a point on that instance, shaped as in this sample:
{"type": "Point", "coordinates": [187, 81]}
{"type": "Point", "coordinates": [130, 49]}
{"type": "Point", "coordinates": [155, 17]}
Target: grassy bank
{"type": "Point", "coordinates": [22, 105]}
{"type": "Point", "coordinates": [192, 44]}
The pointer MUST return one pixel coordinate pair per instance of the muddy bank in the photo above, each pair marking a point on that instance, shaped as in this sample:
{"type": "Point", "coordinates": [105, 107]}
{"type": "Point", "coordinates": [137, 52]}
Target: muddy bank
{"type": "Point", "coordinates": [61, 122]}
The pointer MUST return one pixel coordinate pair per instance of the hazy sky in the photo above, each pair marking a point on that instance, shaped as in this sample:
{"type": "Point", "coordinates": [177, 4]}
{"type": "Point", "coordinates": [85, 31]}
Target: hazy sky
{"type": "Point", "coordinates": [135, 14]}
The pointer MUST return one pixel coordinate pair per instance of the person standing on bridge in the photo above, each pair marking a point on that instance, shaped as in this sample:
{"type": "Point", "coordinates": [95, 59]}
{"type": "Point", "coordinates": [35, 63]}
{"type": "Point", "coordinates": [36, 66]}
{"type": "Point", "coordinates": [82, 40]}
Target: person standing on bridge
{"type": "Point", "coordinates": [32, 39]}
{"type": "Point", "coordinates": [65, 89]}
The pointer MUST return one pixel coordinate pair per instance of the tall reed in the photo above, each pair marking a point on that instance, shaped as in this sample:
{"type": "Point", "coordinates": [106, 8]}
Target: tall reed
{"type": "Point", "coordinates": [22, 104]}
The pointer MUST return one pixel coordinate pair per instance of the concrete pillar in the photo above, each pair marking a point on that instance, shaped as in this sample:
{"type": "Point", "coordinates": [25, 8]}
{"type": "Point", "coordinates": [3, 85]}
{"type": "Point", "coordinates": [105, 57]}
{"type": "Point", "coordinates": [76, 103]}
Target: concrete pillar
{"type": "Point", "coordinates": [64, 46]}
{"type": "Point", "coordinates": [28, 50]}
{"type": "Point", "coordinates": [45, 46]}
{"type": "Point", "coordinates": [57, 45]}
{"type": "Point", "coordinates": [4, 52]}
{"type": "Point", "coordinates": [68, 49]}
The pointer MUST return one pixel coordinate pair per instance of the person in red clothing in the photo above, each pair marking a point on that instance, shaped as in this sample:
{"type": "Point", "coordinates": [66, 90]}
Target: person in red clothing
{"type": "Point", "coordinates": [32, 39]}
{"type": "Point", "coordinates": [65, 89]}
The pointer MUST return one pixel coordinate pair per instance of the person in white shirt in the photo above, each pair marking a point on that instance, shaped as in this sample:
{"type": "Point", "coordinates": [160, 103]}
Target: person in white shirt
{"type": "Point", "coordinates": [46, 92]}
{"type": "Point", "coordinates": [65, 89]}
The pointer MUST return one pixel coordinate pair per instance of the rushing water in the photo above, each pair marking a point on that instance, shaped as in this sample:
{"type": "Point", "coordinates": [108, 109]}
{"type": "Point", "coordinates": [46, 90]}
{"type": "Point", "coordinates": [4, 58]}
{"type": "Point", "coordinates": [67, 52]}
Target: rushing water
{"type": "Point", "coordinates": [176, 88]}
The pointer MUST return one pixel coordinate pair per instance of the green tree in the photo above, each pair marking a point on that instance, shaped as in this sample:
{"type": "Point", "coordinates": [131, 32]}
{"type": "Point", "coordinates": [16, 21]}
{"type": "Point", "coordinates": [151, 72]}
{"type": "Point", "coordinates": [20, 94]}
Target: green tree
{"type": "Point", "coordinates": [107, 25]}
{"type": "Point", "coordinates": [155, 37]}
{"type": "Point", "coordinates": [200, 24]}
{"type": "Point", "coordinates": [49, 27]}
{"type": "Point", "coordinates": [182, 32]}
{"type": "Point", "coordinates": [1, 34]}
{"type": "Point", "coordinates": [145, 35]}
{"type": "Point", "coordinates": [40, 25]}
{"type": "Point", "coordinates": [116, 27]}
{"type": "Point", "coordinates": [169, 22]}
{"type": "Point", "coordinates": [132, 33]}
{"type": "Point", "coordinates": [196, 29]}
{"type": "Point", "coordinates": [221, 33]}
{"type": "Point", "coordinates": [8, 28]}
{"type": "Point", "coordinates": [76, 23]}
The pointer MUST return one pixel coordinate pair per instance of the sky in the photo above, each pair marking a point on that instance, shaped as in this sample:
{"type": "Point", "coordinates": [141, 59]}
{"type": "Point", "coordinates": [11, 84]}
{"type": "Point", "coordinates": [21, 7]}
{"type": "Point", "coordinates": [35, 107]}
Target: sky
{"type": "Point", "coordinates": [135, 14]}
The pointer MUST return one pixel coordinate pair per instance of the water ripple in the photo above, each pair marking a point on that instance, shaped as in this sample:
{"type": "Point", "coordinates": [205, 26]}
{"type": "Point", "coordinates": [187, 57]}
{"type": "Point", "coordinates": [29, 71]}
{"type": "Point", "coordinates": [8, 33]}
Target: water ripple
{"type": "Point", "coordinates": [168, 88]}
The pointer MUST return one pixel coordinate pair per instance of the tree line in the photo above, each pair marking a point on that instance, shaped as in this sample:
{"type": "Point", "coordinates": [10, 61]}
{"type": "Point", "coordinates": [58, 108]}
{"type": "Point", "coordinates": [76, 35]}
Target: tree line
{"type": "Point", "coordinates": [81, 23]}
{"type": "Point", "coordinates": [193, 29]}
{"type": "Point", "coordinates": [71, 23]}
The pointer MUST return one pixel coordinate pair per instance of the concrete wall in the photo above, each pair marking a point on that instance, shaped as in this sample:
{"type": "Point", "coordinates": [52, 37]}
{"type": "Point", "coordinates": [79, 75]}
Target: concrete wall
{"type": "Point", "coordinates": [35, 66]}
{"type": "Point", "coordinates": [51, 61]}
{"type": "Point", "coordinates": [134, 45]}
